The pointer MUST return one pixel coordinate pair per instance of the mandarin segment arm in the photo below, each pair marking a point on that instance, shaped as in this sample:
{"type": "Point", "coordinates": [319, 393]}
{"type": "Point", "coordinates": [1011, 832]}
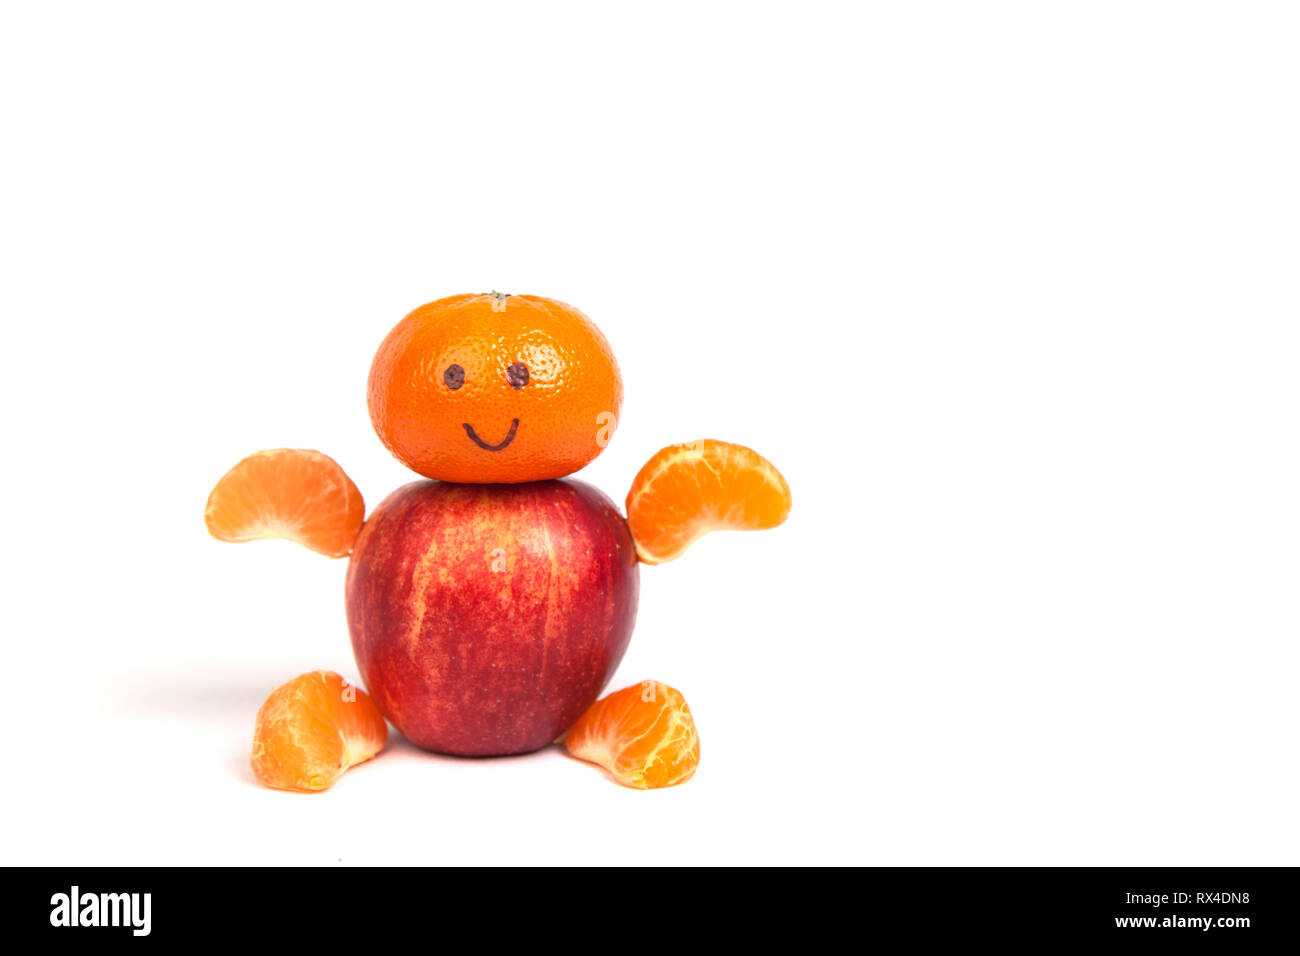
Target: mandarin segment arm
{"type": "Point", "coordinates": [685, 491]}
{"type": "Point", "coordinates": [289, 493]}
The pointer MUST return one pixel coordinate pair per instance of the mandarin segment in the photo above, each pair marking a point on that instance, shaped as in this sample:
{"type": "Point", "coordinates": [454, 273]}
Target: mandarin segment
{"type": "Point", "coordinates": [643, 735]}
{"type": "Point", "coordinates": [312, 729]}
{"type": "Point", "coordinates": [290, 493]}
{"type": "Point", "coordinates": [685, 491]}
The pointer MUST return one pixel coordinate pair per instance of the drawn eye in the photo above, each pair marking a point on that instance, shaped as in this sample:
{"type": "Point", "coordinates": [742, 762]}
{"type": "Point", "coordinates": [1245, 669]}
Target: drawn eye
{"type": "Point", "coordinates": [454, 377]}
{"type": "Point", "coordinates": [518, 375]}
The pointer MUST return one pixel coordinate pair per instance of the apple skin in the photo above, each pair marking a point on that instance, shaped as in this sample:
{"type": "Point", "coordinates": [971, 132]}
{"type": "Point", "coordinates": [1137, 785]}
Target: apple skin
{"type": "Point", "coordinates": [486, 618]}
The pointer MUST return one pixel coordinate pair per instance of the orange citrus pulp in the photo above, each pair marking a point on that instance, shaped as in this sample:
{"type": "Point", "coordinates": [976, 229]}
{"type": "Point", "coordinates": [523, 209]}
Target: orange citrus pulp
{"type": "Point", "coordinates": [644, 735]}
{"type": "Point", "coordinates": [686, 491]}
{"type": "Point", "coordinates": [312, 729]}
{"type": "Point", "coordinates": [291, 493]}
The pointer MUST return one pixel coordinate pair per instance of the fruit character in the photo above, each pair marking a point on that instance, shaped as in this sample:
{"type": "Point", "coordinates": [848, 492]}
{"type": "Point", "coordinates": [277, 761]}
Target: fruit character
{"type": "Point", "coordinates": [490, 602]}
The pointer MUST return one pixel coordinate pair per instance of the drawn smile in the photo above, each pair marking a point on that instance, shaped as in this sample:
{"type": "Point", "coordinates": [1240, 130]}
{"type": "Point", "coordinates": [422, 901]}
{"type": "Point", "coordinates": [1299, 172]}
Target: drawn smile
{"type": "Point", "coordinates": [510, 436]}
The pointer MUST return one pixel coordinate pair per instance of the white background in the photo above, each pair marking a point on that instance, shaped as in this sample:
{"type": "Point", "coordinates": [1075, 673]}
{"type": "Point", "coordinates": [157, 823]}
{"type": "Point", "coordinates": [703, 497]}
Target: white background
{"type": "Point", "coordinates": [1008, 291]}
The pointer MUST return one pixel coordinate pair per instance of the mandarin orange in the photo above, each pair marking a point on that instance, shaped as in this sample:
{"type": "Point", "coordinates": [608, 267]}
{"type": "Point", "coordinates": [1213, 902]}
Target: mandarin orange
{"type": "Point", "coordinates": [495, 388]}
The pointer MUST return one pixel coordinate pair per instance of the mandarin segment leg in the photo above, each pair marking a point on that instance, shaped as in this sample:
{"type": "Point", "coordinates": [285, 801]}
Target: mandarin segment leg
{"type": "Point", "coordinates": [644, 735]}
{"type": "Point", "coordinates": [312, 730]}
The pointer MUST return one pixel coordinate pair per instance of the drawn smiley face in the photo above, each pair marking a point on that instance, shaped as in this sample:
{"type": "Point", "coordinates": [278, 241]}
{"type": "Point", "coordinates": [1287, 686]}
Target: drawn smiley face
{"type": "Point", "coordinates": [516, 375]}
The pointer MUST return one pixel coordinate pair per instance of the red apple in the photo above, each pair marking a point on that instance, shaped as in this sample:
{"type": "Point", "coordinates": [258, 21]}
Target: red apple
{"type": "Point", "coordinates": [486, 618]}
